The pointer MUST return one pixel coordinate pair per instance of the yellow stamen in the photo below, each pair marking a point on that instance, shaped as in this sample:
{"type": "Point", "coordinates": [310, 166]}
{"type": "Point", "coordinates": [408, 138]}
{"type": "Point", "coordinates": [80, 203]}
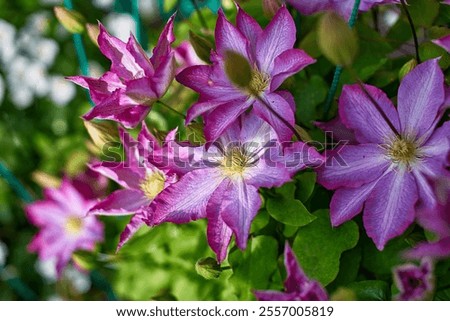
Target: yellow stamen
{"type": "Point", "coordinates": [259, 82]}
{"type": "Point", "coordinates": [74, 225]}
{"type": "Point", "coordinates": [235, 161]}
{"type": "Point", "coordinates": [403, 150]}
{"type": "Point", "coordinates": [153, 184]}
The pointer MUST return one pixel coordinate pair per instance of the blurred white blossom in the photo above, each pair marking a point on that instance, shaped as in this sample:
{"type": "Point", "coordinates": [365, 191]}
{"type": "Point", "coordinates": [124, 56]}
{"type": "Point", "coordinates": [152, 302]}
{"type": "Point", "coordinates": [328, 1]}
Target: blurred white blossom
{"type": "Point", "coordinates": [61, 90]}
{"type": "Point", "coordinates": [2, 90]}
{"type": "Point", "coordinates": [103, 4]}
{"type": "Point", "coordinates": [120, 25]}
{"type": "Point", "coordinates": [79, 280]}
{"type": "Point", "coordinates": [7, 41]}
{"type": "Point", "coordinates": [47, 269]}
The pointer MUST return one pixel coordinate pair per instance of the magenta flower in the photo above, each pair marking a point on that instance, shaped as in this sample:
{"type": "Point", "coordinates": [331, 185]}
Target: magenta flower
{"type": "Point", "coordinates": [127, 91]}
{"type": "Point", "coordinates": [297, 286]}
{"type": "Point", "coordinates": [386, 172]}
{"type": "Point", "coordinates": [222, 181]}
{"type": "Point", "coordinates": [342, 7]}
{"type": "Point", "coordinates": [414, 282]}
{"type": "Point", "coordinates": [437, 220]}
{"type": "Point", "coordinates": [443, 42]}
{"type": "Point", "coordinates": [270, 53]}
{"type": "Point", "coordinates": [141, 180]}
{"type": "Point", "coordinates": [63, 225]}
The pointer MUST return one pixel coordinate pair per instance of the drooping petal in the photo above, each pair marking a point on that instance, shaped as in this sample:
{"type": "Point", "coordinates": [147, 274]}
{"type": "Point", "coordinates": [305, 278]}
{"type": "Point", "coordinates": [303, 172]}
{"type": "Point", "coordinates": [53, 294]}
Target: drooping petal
{"type": "Point", "coordinates": [282, 107]}
{"type": "Point", "coordinates": [99, 89]}
{"type": "Point", "coordinates": [352, 166]}
{"type": "Point", "coordinates": [357, 110]}
{"type": "Point", "coordinates": [436, 250]}
{"type": "Point", "coordinates": [348, 202]}
{"type": "Point", "coordinates": [218, 120]}
{"type": "Point", "coordinates": [187, 199]}
{"type": "Point", "coordinates": [164, 74]}
{"type": "Point", "coordinates": [121, 173]}
{"type": "Point", "coordinates": [287, 64]}
{"type": "Point", "coordinates": [414, 282]}
{"type": "Point", "coordinates": [229, 38]}
{"type": "Point", "coordinates": [386, 219]}
{"type": "Point", "coordinates": [219, 234]}
{"type": "Point", "coordinates": [132, 227]}
{"type": "Point", "coordinates": [270, 295]}
{"type": "Point", "coordinates": [240, 205]}
{"type": "Point", "coordinates": [121, 202]}
{"type": "Point", "coordinates": [420, 97]}
{"type": "Point", "coordinates": [296, 278]}
{"type": "Point", "coordinates": [277, 37]}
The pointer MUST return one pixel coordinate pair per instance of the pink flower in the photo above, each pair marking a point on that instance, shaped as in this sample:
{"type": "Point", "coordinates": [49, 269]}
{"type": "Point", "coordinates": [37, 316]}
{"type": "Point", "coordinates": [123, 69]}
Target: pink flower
{"type": "Point", "coordinates": [343, 7]}
{"type": "Point", "coordinates": [63, 225]}
{"type": "Point", "coordinates": [142, 182]}
{"type": "Point", "coordinates": [222, 181]}
{"type": "Point", "coordinates": [443, 42]}
{"type": "Point", "coordinates": [127, 91]}
{"type": "Point", "coordinates": [270, 53]}
{"type": "Point", "coordinates": [386, 171]}
{"type": "Point", "coordinates": [185, 56]}
{"type": "Point", "coordinates": [414, 282]}
{"type": "Point", "coordinates": [297, 286]}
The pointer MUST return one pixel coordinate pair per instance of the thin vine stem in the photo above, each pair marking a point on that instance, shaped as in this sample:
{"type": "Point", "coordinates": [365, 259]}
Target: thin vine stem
{"type": "Point", "coordinates": [413, 30]}
{"type": "Point", "coordinates": [200, 14]}
{"type": "Point", "coordinates": [171, 108]}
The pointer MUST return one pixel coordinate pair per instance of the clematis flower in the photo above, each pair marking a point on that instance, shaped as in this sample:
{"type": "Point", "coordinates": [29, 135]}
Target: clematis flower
{"type": "Point", "coordinates": [185, 56]}
{"type": "Point", "coordinates": [63, 225]}
{"type": "Point", "coordinates": [222, 181]}
{"type": "Point", "coordinates": [342, 7]}
{"type": "Point", "coordinates": [141, 180]}
{"type": "Point", "coordinates": [437, 220]}
{"type": "Point", "coordinates": [297, 286]}
{"type": "Point", "coordinates": [414, 282]}
{"type": "Point", "coordinates": [127, 91]}
{"type": "Point", "coordinates": [443, 42]}
{"type": "Point", "coordinates": [397, 151]}
{"type": "Point", "coordinates": [271, 55]}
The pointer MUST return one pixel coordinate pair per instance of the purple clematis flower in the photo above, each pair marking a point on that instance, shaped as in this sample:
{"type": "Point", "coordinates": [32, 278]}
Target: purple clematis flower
{"type": "Point", "coordinates": [342, 7]}
{"type": "Point", "coordinates": [387, 171]}
{"type": "Point", "coordinates": [63, 225]}
{"type": "Point", "coordinates": [127, 91]}
{"type": "Point", "coordinates": [271, 55]}
{"type": "Point", "coordinates": [414, 282]}
{"type": "Point", "coordinates": [222, 181]}
{"type": "Point", "coordinates": [142, 182]}
{"type": "Point", "coordinates": [437, 220]}
{"type": "Point", "coordinates": [297, 286]}
{"type": "Point", "coordinates": [443, 42]}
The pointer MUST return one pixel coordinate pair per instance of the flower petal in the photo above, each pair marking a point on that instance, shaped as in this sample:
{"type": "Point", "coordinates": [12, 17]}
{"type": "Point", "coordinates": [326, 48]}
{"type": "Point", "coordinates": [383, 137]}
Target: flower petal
{"type": "Point", "coordinates": [132, 227]}
{"type": "Point", "coordinates": [218, 120]}
{"type": "Point", "coordinates": [277, 37]}
{"type": "Point", "coordinates": [163, 46]}
{"type": "Point", "coordinates": [270, 295]}
{"type": "Point", "coordinates": [359, 114]}
{"type": "Point", "coordinates": [389, 209]}
{"type": "Point", "coordinates": [444, 42]}
{"type": "Point", "coordinates": [287, 64]}
{"type": "Point", "coordinates": [296, 278]}
{"type": "Point", "coordinates": [352, 166]}
{"type": "Point", "coordinates": [420, 97]}
{"type": "Point", "coordinates": [249, 28]}
{"type": "Point", "coordinates": [121, 173]}
{"type": "Point", "coordinates": [240, 205]}
{"type": "Point", "coordinates": [121, 202]}
{"type": "Point", "coordinates": [219, 234]}
{"type": "Point", "coordinates": [282, 107]}
{"type": "Point", "coordinates": [229, 38]}
{"type": "Point", "coordinates": [187, 199]}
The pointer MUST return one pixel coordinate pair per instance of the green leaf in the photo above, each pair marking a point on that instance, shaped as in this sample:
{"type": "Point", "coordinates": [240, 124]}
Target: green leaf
{"type": "Point", "coordinates": [305, 185]}
{"type": "Point", "coordinates": [286, 209]}
{"type": "Point", "coordinates": [371, 290]}
{"type": "Point", "coordinates": [318, 246]}
{"type": "Point", "coordinates": [253, 268]}
{"type": "Point", "coordinates": [348, 268]}
{"type": "Point", "coordinates": [381, 263]}
{"type": "Point", "coordinates": [308, 95]}
{"type": "Point", "coordinates": [423, 12]}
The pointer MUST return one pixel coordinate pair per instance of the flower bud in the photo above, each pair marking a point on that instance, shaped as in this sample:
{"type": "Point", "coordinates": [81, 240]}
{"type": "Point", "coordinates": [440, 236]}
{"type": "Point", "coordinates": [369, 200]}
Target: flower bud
{"type": "Point", "coordinates": [238, 69]}
{"type": "Point", "coordinates": [71, 20]}
{"type": "Point", "coordinates": [195, 134]}
{"type": "Point", "coordinates": [336, 40]}
{"type": "Point", "coordinates": [406, 68]}
{"type": "Point", "coordinates": [208, 268]}
{"type": "Point", "coordinates": [93, 31]}
{"type": "Point", "coordinates": [101, 133]}
{"type": "Point", "coordinates": [201, 45]}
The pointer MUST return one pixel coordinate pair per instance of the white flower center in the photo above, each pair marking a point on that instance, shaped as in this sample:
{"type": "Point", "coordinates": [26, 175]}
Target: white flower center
{"type": "Point", "coordinates": [74, 225]}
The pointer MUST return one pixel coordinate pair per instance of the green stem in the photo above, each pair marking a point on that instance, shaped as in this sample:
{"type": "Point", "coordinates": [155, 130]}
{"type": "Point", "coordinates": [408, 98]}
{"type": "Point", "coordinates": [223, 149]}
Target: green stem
{"type": "Point", "coordinates": [413, 30]}
{"type": "Point", "coordinates": [338, 70]}
{"type": "Point", "coordinates": [15, 184]}
{"type": "Point", "coordinates": [171, 108]}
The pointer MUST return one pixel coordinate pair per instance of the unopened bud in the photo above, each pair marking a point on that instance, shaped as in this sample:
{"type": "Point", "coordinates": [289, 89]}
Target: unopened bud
{"type": "Point", "coordinates": [93, 31]}
{"type": "Point", "coordinates": [201, 45]}
{"type": "Point", "coordinates": [101, 133]}
{"type": "Point", "coordinates": [71, 20]}
{"type": "Point", "coordinates": [336, 40]}
{"type": "Point", "coordinates": [238, 69]}
{"type": "Point", "coordinates": [406, 68]}
{"type": "Point", "coordinates": [208, 268]}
